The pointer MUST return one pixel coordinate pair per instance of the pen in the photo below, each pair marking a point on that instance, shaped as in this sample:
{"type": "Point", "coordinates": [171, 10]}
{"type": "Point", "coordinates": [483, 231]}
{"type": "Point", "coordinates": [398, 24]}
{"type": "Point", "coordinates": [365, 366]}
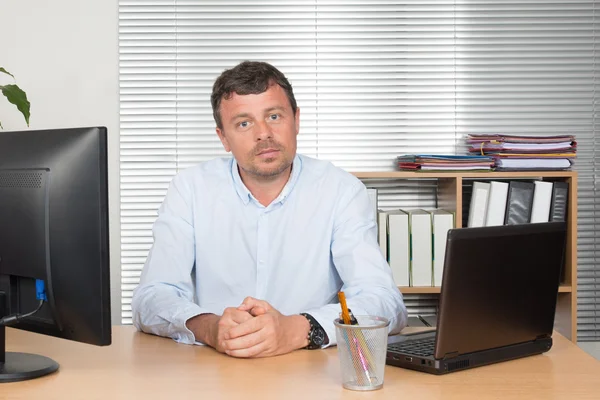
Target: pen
{"type": "Point", "coordinates": [362, 340]}
{"type": "Point", "coordinates": [356, 342]}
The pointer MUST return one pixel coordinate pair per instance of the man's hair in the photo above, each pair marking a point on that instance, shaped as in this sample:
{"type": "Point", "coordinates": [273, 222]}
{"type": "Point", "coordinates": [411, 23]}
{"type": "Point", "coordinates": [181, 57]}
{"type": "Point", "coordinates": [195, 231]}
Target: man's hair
{"type": "Point", "coordinates": [248, 77]}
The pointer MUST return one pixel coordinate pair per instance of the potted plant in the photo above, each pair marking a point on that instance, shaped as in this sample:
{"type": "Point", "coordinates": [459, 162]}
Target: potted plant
{"type": "Point", "coordinates": [16, 96]}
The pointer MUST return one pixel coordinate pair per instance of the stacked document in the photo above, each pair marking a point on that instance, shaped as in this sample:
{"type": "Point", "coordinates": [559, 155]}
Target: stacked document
{"type": "Point", "coordinates": [512, 152]}
{"type": "Point", "coordinates": [428, 162]}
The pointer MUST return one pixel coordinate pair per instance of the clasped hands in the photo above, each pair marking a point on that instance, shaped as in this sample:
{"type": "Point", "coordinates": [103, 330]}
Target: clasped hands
{"type": "Point", "coordinates": [256, 329]}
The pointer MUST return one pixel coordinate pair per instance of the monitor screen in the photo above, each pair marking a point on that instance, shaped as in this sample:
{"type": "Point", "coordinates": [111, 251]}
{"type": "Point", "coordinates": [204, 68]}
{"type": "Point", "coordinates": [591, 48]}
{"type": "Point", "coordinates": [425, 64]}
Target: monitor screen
{"type": "Point", "coordinates": [54, 256]}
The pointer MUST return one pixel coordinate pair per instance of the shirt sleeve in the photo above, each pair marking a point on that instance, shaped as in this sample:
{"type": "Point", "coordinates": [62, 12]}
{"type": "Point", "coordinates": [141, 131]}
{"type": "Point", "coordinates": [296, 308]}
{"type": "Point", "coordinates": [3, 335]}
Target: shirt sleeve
{"type": "Point", "coordinates": [367, 278]}
{"type": "Point", "coordinates": [164, 299]}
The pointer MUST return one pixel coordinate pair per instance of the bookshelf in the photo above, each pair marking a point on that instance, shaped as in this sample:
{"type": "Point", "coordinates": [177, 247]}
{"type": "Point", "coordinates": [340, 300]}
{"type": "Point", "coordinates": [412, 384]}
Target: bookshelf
{"type": "Point", "coordinates": [450, 197]}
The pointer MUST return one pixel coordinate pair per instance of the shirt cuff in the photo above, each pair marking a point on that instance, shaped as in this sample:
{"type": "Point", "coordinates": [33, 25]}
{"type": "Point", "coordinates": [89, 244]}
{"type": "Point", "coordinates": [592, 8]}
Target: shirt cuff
{"type": "Point", "coordinates": [184, 334]}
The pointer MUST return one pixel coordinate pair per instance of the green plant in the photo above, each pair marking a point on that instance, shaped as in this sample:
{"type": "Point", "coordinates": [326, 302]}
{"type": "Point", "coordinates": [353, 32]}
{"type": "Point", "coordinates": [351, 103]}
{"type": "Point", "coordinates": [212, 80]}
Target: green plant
{"type": "Point", "coordinates": [16, 96]}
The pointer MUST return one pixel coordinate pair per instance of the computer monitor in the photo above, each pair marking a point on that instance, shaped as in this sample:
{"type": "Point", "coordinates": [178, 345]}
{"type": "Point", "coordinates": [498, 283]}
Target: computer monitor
{"type": "Point", "coordinates": [54, 256]}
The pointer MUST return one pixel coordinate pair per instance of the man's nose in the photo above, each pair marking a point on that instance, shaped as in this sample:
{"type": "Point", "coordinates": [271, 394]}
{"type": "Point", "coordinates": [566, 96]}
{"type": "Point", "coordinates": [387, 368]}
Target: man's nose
{"type": "Point", "coordinates": [263, 131]}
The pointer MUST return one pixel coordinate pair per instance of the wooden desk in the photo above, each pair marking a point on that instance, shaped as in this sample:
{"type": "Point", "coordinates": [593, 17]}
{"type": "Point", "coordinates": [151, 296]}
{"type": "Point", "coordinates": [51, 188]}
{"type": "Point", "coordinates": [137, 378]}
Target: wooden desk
{"type": "Point", "coordinates": [140, 366]}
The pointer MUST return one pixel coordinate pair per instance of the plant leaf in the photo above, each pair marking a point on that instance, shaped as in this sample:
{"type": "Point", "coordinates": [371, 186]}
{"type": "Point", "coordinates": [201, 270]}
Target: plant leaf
{"type": "Point", "coordinates": [16, 96]}
{"type": "Point", "coordinates": [6, 72]}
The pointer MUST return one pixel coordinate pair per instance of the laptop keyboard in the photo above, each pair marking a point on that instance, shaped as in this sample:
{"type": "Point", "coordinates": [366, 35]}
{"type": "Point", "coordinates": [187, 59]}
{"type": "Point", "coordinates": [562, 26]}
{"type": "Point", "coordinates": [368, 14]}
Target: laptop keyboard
{"type": "Point", "coordinates": [421, 347]}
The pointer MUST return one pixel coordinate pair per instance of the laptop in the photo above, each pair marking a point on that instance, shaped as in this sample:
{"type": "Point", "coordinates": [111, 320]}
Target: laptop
{"type": "Point", "coordinates": [497, 301]}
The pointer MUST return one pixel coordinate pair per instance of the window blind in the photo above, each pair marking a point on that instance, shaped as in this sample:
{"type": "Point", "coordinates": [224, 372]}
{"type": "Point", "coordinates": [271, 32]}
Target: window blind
{"type": "Point", "coordinates": [373, 79]}
{"type": "Point", "coordinates": [531, 67]}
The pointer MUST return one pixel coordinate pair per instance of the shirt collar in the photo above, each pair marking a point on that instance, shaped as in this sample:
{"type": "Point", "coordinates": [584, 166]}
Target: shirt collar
{"type": "Point", "coordinates": [245, 194]}
{"type": "Point", "coordinates": [240, 188]}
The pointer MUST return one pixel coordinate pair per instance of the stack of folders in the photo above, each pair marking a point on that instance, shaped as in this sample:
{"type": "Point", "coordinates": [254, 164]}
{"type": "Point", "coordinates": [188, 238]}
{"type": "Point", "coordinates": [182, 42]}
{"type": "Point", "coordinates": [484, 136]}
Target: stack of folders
{"type": "Point", "coordinates": [513, 153]}
{"type": "Point", "coordinates": [444, 162]}
{"type": "Point", "coordinates": [414, 244]}
{"type": "Point", "coordinates": [517, 202]}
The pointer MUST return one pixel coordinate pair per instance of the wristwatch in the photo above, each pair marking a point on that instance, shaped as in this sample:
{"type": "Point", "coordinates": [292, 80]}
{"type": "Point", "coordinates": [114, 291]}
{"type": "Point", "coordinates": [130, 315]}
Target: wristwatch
{"type": "Point", "coordinates": [316, 335]}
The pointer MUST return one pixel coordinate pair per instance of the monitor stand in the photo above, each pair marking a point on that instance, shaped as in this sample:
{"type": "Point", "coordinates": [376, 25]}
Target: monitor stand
{"type": "Point", "coordinates": [20, 366]}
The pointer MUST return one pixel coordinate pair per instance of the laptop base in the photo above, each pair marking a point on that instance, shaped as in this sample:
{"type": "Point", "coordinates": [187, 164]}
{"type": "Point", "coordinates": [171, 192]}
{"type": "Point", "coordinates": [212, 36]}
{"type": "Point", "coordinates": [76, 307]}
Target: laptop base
{"type": "Point", "coordinates": [467, 361]}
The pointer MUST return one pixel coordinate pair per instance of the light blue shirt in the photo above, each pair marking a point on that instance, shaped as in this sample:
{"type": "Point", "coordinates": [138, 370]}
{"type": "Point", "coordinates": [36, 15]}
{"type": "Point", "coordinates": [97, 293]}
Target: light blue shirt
{"type": "Point", "coordinates": [215, 244]}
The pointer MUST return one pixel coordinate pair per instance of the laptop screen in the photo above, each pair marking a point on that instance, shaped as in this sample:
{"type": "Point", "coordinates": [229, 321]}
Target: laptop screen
{"type": "Point", "coordinates": [500, 286]}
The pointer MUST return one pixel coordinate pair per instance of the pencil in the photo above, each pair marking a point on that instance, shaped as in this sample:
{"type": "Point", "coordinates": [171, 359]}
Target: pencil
{"type": "Point", "coordinates": [345, 313]}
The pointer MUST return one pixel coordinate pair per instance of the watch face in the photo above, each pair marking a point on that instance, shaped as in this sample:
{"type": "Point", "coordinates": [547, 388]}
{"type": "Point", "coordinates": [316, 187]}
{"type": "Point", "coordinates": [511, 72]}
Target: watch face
{"type": "Point", "coordinates": [318, 337]}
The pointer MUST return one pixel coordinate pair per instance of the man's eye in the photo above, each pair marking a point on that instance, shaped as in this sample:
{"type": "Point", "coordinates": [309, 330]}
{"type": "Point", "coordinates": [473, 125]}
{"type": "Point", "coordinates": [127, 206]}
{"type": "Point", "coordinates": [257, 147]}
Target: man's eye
{"type": "Point", "coordinates": [243, 124]}
{"type": "Point", "coordinates": [274, 117]}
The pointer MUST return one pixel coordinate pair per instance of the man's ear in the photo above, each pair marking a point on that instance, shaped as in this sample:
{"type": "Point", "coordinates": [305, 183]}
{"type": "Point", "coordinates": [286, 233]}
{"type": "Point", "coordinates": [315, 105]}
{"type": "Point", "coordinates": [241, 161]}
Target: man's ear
{"type": "Point", "coordinates": [297, 120]}
{"type": "Point", "coordinates": [223, 139]}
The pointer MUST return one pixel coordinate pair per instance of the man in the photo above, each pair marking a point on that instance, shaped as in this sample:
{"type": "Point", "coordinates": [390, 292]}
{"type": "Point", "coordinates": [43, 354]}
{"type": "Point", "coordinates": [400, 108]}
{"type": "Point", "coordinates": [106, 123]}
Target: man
{"type": "Point", "coordinates": [249, 253]}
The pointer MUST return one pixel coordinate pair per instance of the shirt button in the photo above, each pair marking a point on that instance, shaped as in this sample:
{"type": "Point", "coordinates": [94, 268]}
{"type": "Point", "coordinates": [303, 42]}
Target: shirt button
{"type": "Point", "coordinates": [262, 261]}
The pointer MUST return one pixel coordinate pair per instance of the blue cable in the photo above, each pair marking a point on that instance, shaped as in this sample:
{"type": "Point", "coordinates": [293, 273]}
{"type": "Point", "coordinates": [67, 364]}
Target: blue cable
{"type": "Point", "coordinates": [40, 290]}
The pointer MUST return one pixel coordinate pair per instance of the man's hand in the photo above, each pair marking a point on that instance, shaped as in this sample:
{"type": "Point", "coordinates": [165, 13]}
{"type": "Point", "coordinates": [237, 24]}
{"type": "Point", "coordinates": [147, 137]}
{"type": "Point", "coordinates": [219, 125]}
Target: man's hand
{"type": "Point", "coordinates": [269, 333]}
{"type": "Point", "coordinates": [255, 307]}
{"type": "Point", "coordinates": [211, 329]}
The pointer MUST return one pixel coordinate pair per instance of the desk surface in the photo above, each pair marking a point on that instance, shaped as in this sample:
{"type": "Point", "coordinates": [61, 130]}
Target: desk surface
{"type": "Point", "coordinates": [137, 365]}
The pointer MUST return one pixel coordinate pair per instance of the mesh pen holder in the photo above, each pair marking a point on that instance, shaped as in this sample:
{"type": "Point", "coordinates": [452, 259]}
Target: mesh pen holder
{"type": "Point", "coordinates": [362, 350]}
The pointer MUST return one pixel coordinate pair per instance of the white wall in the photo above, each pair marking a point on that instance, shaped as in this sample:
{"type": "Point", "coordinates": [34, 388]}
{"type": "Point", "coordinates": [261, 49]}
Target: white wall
{"type": "Point", "coordinates": [64, 54]}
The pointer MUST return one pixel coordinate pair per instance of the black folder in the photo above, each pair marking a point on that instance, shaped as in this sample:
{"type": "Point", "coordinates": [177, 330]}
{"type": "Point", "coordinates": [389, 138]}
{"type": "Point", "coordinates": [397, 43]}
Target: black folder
{"type": "Point", "coordinates": [558, 204]}
{"type": "Point", "coordinates": [519, 202]}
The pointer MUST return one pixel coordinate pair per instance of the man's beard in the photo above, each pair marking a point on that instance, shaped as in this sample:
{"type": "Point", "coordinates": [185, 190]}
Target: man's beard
{"type": "Point", "coordinates": [279, 165]}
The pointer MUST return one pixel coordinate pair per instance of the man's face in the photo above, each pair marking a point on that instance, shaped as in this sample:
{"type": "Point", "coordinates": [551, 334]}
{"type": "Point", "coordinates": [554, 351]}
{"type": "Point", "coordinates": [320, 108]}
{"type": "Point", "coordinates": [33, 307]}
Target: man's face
{"type": "Point", "coordinates": [260, 130]}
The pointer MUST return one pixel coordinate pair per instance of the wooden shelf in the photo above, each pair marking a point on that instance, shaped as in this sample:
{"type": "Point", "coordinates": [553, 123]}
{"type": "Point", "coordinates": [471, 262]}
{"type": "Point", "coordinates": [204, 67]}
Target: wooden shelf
{"type": "Point", "coordinates": [449, 196]}
{"type": "Point", "coordinates": [419, 289]}
{"type": "Point", "coordinates": [463, 174]}
{"type": "Point", "coordinates": [565, 289]}
{"type": "Point", "coordinates": [436, 289]}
